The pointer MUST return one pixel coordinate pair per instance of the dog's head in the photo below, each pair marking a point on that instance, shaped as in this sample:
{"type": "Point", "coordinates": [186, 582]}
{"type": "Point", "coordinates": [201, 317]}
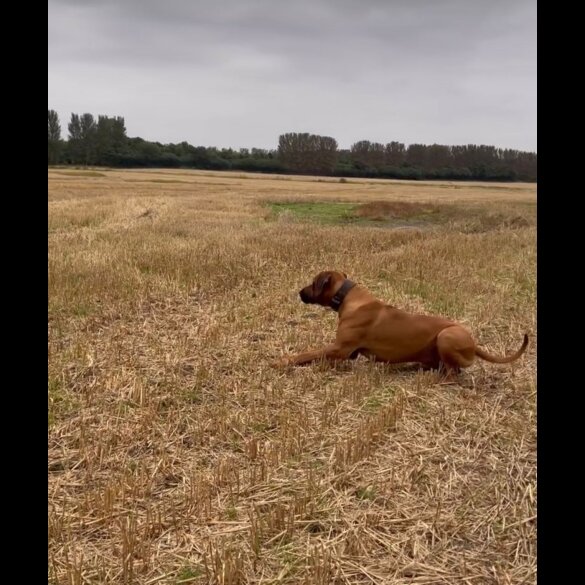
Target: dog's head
{"type": "Point", "coordinates": [323, 288]}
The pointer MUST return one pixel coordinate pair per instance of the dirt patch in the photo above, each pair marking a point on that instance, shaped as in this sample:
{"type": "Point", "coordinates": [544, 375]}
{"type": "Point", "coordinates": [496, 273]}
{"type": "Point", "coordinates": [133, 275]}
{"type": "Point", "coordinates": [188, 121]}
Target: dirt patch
{"type": "Point", "coordinates": [80, 173]}
{"type": "Point", "coordinates": [386, 210]}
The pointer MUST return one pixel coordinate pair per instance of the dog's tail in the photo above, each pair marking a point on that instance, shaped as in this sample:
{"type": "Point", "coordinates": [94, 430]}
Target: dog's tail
{"type": "Point", "coordinates": [502, 360]}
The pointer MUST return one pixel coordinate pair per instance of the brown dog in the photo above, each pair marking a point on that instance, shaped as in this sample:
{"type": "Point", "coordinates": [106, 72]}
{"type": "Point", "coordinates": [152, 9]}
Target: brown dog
{"type": "Point", "coordinates": [371, 328]}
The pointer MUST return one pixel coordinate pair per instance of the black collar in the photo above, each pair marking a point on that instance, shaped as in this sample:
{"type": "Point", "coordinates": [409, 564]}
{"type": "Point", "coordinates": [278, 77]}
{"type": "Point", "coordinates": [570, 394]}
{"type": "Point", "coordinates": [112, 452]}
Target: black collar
{"type": "Point", "coordinates": [341, 293]}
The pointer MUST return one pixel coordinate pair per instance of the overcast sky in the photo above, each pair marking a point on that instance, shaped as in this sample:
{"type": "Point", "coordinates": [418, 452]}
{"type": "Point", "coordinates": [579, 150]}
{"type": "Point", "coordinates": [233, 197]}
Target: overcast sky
{"type": "Point", "coordinates": [240, 72]}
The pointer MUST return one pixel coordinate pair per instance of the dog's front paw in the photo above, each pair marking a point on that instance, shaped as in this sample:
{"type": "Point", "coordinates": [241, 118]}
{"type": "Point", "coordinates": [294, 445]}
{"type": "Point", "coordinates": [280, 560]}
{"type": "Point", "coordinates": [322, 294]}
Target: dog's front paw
{"type": "Point", "coordinates": [280, 363]}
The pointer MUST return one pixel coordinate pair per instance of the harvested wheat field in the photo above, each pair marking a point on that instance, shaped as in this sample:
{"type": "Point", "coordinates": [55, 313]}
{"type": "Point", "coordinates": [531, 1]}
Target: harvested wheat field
{"type": "Point", "coordinates": [178, 455]}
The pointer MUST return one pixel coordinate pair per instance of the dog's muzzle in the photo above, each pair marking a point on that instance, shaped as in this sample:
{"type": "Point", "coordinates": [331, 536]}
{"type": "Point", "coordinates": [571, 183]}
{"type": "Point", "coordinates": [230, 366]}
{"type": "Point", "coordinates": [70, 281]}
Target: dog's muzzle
{"type": "Point", "coordinates": [304, 296]}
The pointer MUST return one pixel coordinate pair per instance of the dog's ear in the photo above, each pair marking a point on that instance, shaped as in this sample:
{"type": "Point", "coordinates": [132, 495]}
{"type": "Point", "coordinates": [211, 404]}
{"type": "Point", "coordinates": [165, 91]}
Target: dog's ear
{"type": "Point", "coordinates": [321, 283]}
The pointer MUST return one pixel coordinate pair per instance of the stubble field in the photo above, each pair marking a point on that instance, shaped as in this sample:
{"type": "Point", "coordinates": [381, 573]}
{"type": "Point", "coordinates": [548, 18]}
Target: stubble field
{"type": "Point", "coordinates": [176, 454]}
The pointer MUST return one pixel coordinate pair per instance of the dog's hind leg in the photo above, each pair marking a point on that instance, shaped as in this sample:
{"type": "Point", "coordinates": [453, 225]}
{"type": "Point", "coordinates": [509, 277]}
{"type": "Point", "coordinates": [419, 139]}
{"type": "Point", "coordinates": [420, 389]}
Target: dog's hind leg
{"type": "Point", "coordinates": [456, 350]}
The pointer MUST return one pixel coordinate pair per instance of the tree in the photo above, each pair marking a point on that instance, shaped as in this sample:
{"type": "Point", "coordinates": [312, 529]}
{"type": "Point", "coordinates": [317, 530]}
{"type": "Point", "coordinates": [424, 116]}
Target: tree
{"type": "Point", "coordinates": [438, 156]}
{"type": "Point", "coordinates": [105, 142]}
{"type": "Point", "coordinates": [110, 138]}
{"type": "Point", "coordinates": [82, 139]}
{"type": "Point", "coordinates": [368, 155]}
{"type": "Point", "coordinates": [395, 154]}
{"type": "Point", "coordinates": [88, 137]}
{"type": "Point", "coordinates": [416, 155]}
{"type": "Point", "coordinates": [74, 142]}
{"type": "Point", "coordinates": [308, 153]}
{"type": "Point", "coordinates": [54, 138]}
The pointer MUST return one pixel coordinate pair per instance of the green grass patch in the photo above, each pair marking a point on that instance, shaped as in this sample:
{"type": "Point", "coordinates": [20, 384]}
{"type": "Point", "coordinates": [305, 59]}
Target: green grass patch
{"type": "Point", "coordinates": [380, 398]}
{"type": "Point", "coordinates": [366, 493]}
{"type": "Point", "coordinates": [320, 211]}
{"type": "Point", "coordinates": [189, 574]}
{"type": "Point", "coordinates": [397, 214]}
{"type": "Point", "coordinates": [231, 514]}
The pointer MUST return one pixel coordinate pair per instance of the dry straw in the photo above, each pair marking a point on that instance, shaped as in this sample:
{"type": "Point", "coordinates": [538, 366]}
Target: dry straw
{"type": "Point", "coordinates": [177, 455]}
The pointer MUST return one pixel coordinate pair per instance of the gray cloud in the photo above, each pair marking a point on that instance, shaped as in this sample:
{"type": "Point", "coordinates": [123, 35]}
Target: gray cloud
{"type": "Point", "coordinates": [240, 72]}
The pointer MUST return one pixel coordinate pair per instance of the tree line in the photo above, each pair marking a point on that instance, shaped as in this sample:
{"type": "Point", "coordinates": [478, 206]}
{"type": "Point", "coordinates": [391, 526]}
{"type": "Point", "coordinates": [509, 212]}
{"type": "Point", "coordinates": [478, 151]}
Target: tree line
{"type": "Point", "coordinates": [104, 142]}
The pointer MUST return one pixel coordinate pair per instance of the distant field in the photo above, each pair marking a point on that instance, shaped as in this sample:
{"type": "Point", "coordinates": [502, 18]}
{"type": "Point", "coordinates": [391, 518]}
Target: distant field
{"type": "Point", "coordinates": [177, 455]}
